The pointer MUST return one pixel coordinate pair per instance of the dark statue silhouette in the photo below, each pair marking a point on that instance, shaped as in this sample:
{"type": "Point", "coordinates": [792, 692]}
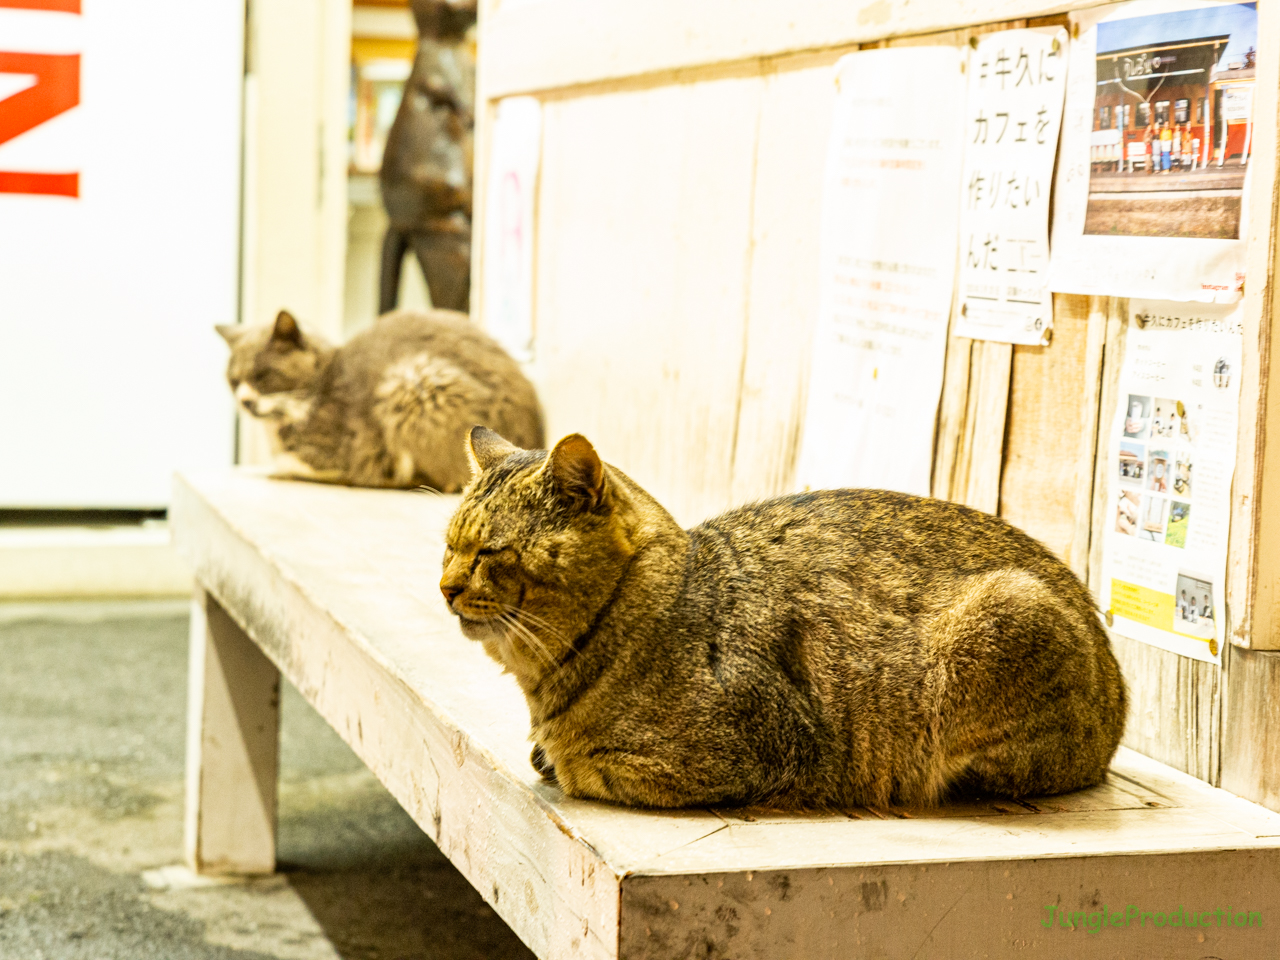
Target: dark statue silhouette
{"type": "Point", "coordinates": [426, 168]}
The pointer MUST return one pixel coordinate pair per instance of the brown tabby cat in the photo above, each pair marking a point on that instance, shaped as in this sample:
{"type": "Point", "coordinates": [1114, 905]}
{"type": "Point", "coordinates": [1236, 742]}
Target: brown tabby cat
{"type": "Point", "coordinates": [390, 408]}
{"type": "Point", "coordinates": [818, 650]}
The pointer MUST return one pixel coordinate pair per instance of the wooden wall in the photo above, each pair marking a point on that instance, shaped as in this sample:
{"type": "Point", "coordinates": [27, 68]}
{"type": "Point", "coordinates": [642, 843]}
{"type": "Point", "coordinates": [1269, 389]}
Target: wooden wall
{"type": "Point", "coordinates": [676, 294]}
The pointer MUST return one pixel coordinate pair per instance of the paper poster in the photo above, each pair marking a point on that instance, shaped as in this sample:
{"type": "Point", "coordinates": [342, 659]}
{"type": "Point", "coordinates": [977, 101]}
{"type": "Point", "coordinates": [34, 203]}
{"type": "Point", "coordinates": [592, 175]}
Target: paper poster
{"type": "Point", "coordinates": [1153, 181]}
{"type": "Point", "coordinates": [1171, 458]}
{"type": "Point", "coordinates": [509, 225]}
{"type": "Point", "coordinates": [888, 258]}
{"type": "Point", "coordinates": [1017, 79]}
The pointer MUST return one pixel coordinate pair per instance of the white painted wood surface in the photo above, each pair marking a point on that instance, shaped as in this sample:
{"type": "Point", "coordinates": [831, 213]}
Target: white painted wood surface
{"type": "Point", "coordinates": [644, 243]}
{"type": "Point", "coordinates": [338, 588]}
{"type": "Point", "coordinates": [233, 747]}
{"type": "Point", "coordinates": [555, 44]}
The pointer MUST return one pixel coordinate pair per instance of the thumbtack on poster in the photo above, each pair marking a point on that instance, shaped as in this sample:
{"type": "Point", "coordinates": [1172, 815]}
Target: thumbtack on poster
{"type": "Point", "coordinates": [1017, 79]}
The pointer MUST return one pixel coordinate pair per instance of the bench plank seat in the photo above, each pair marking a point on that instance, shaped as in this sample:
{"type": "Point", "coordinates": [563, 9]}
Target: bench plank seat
{"type": "Point", "coordinates": [337, 587]}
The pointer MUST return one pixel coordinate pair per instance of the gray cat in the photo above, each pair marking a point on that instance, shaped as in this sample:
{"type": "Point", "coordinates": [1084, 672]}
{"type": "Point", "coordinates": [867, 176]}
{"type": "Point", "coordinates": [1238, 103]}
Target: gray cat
{"type": "Point", "coordinates": [818, 650]}
{"type": "Point", "coordinates": [390, 408]}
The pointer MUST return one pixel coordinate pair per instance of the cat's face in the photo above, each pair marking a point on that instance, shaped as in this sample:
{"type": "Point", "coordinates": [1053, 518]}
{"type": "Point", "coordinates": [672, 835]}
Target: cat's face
{"type": "Point", "coordinates": [534, 549]}
{"type": "Point", "coordinates": [270, 365]}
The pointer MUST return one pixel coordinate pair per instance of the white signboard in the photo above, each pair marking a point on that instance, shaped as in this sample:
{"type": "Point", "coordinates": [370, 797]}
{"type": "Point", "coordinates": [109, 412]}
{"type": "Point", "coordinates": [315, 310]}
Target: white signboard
{"type": "Point", "coordinates": [888, 257]}
{"type": "Point", "coordinates": [1166, 216]}
{"type": "Point", "coordinates": [1171, 456]}
{"type": "Point", "coordinates": [119, 245]}
{"type": "Point", "coordinates": [509, 225]}
{"type": "Point", "coordinates": [1016, 84]}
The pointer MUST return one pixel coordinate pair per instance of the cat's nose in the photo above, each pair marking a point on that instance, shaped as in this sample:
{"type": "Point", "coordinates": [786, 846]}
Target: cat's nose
{"type": "Point", "coordinates": [450, 593]}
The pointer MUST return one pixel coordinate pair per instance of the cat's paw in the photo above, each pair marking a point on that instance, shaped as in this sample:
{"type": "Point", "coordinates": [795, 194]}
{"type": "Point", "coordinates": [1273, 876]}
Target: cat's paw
{"type": "Point", "coordinates": [540, 763]}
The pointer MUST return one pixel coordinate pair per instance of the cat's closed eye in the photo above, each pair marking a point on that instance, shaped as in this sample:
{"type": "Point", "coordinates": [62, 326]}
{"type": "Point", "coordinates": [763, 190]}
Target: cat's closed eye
{"type": "Point", "coordinates": [271, 382]}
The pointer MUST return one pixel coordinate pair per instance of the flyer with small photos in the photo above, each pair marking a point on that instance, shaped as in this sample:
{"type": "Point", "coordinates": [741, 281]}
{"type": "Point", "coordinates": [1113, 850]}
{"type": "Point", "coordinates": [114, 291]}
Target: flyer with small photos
{"type": "Point", "coordinates": [1172, 455]}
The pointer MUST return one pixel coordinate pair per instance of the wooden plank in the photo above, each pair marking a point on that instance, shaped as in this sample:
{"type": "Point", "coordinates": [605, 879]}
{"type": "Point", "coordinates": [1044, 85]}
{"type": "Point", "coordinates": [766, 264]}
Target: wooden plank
{"type": "Point", "coordinates": [1175, 707]}
{"type": "Point", "coordinates": [1046, 485]}
{"type": "Point", "coordinates": [1253, 569]}
{"type": "Point", "coordinates": [1251, 750]}
{"type": "Point", "coordinates": [782, 303]}
{"type": "Point", "coordinates": [557, 44]}
{"type": "Point", "coordinates": [643, 270]}
{"type": "Point", "coordinates": [952, 412]}
{"type": "Point", "coordinates": [233, 744]}
{"type": "Point", "coordinates": [960, 911]}
{"type": "Point", "coordinates": [980, 451]}
{"type": "Point", "coordinates": [1108, 396]}
{"type": "Point", "coordinates": [486, 111]}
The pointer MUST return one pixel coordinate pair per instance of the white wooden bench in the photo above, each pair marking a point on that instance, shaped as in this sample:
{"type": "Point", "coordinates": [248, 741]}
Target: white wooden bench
{"type": "Point", "coordinates": [336, 589]}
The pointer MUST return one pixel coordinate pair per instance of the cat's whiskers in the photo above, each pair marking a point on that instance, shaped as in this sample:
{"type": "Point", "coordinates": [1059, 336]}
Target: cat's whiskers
{"type": "Point", "coordinates": [531, 640]}
{"type": "Point", "coordinates": [532, 621]}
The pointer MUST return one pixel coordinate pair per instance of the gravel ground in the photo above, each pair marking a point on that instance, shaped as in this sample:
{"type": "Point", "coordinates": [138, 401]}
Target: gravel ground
{"type": "Point", "coordinates": [92, 731]}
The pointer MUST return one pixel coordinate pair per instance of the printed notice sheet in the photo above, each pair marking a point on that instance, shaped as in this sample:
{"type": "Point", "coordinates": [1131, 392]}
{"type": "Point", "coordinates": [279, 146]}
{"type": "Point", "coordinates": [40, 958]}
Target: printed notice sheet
{"type": "Point", "coordinates": [1172, 454]}
{"type": "Point", "coordinates": [1153, 182]}
{"type": "Point", "coordinates": [1016, 84]}
{"type": "Point", "coordinates": [888, 260]}
{"type": "Point", "coordinates": [508, 228]}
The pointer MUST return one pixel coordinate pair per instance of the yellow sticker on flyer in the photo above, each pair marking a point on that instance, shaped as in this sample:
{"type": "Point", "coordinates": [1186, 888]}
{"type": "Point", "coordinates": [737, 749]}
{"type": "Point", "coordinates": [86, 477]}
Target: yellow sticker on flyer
{"type": "Point", "coordinates": [1142, 604]}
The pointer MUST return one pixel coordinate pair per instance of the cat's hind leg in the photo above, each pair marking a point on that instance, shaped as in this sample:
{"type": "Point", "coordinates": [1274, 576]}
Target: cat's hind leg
{"type": "Point", "coordinates": [424, 406]}
{"type": "Point", "coordinates": [1028, 698]}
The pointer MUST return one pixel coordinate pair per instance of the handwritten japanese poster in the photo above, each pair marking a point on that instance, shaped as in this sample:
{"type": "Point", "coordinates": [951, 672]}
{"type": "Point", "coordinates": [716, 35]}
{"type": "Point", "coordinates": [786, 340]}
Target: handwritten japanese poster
{"type": "Point", "coordinates": [887, 259]}
{"type": "Point", "coordinates": [1153, 181]}
{"type": "Point", "coordinates": [1016, 83]}
{"type": "Point", "coordinates": [1172, 454]}
{"type": "Point", "coordinates": [509, 222]}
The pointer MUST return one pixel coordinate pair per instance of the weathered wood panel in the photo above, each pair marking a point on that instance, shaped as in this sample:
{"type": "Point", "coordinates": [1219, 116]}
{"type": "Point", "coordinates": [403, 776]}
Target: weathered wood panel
{"type": "Point", "coordinates": [1175, 707]}
{"type": "Point", "coordinates": [782, 303]}
{"type": "Point", "coordinates": [1253, 566]}
{"type": "Point", "coordinates": [1251, 727]}
{"type": "Point", "coordinates": [1046, 485]}
{"type": "Point", "coordinates": [980, 448]}
{"type": "Point", "coordinates": [556, 44]}
{"type": "Point", "coordinates": [642, 277]}
{"type": "Point", "coordinates": [957, 911]}
{"type": "Point", "coordinates": [1108, 396]}
{"type": "Point", "coordinates": [233, 747]}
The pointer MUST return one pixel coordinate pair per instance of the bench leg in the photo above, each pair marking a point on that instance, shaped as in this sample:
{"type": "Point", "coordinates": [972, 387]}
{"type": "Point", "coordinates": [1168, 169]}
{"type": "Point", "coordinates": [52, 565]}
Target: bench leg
{"type": "Point", "coordinates": [233, 746]}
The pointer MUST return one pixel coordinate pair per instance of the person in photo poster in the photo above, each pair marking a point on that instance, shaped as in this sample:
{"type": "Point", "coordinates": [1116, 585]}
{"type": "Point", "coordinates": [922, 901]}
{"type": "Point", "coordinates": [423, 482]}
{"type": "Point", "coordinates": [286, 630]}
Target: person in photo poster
{"type": "Point", "coordinates": [1190, 75]}
{"type": "Point", "coordinates": [1194, 615]}
{"type": "Point", "coordinates": [1158, 471]}
{"type": "Point", "coordinates": [1133, 462]}
{"type": "Point", "coordinates": [1182, 474]}
{"type": "Point", "coordinates": [1139, 418]}
{"type": "Point", "coordinates": [1164, 420]}
{"type": "Point", "coordinates": [1127, 513]}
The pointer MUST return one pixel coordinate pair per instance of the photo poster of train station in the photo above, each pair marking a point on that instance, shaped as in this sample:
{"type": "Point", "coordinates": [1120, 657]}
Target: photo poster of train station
{"type": "Point", "coordinates": [1172, 123]}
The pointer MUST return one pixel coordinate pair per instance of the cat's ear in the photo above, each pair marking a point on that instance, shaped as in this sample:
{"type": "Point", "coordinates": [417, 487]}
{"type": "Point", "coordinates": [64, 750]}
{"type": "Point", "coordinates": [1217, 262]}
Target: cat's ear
{"type": "Point", "coordinates": [576, 469]}
{"type": "Point", "coordinates": [230, 332]}
{"type": "Point", "coordinates": [486, 449]}
{"type": "Point", "coordinates": [286, 329]}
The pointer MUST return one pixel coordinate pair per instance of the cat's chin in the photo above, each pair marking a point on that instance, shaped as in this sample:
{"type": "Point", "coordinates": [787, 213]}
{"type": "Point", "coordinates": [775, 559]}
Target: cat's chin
{"type": "Point", "coordinates": [482, 630]}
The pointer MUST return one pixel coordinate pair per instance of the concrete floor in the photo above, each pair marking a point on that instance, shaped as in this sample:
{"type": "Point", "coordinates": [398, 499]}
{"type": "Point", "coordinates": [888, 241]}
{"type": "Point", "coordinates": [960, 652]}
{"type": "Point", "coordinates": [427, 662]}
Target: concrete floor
{"type": "Point", "coordinates": [92, 729]}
